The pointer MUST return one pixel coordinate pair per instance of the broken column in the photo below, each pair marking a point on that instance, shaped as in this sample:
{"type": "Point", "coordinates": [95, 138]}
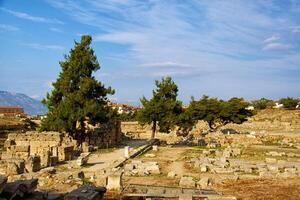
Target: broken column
{"type": "Point", "coordinates": [126, 152]}
{"type": "Point", "coordinates": [114, 182]}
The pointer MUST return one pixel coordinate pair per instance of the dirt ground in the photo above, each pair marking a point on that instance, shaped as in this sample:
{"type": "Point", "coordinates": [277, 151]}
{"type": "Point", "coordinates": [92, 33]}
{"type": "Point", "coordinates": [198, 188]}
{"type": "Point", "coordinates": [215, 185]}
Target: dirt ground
{"type": "Point", "coordinates": [275, 189]}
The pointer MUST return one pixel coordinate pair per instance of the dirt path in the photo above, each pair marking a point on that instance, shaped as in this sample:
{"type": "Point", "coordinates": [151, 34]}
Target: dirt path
{"type": "Point", "coordinates": [106, 161]}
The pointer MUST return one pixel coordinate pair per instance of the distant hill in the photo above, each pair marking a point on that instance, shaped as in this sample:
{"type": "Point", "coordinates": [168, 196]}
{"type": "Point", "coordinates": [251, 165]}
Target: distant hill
{"type": "Point", "coordinates": [31, 106]}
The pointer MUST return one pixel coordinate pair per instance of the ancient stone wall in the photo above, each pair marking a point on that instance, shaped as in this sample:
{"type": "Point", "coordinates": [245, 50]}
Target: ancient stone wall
{"type": "Point", "coordinates": [107, 135]}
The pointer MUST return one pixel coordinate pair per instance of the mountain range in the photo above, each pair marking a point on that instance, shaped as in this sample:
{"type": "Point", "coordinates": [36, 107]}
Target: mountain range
{"type": "Point", "coordinates": [31, 106]}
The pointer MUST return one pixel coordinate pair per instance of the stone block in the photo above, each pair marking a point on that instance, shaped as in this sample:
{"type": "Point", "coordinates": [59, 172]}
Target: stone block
{"type": "Point", "coordinates": [33, 164]}
{"type": "Point", "coordinates": [155, 148]}
{"type": "Point", "coordinates": [15, 166]}
{"type": "Point", "coordinates": [114, 182]}
{"type": "Point", "coordinates": [45, 158]}
{"type": "Point", "coordinates": [53, 160]}
{"type": "Point", "coordinates": [86, 192]}
{"type": "Point", "coordinates": [203, 168]}
{"type": "Point", "coordinates": [82, 159]}
{"type": "Point", "coordinates": [171, 174]}
{"type": "Point", "coordinates": [271, 160]}
{"type": "Point", "coordinates": [203, 183]}
{"type": "Point", "coordinates": [21, 148]}
{"type": "Point", "coordinates": [272, 168]}
{"type": "Point", "coordinates": [187, 182]}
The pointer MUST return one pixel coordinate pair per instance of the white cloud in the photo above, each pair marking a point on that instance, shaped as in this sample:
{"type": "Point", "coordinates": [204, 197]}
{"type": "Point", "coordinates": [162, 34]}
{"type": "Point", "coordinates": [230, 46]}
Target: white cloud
{"type": "Point", "coordinates": [57, 30]}
{"type": "Point", "coordinates": [273, 38]}
{"type": "Point", "coordinates": [276, 46]}
{"type": "Point", "coordinates": [295, 29]}
{"type": "Point", "coordinates": [167, 64]}
{"type": "Point", "coordinates": [27, 16]}
{"type": "Point", "coordinates": [6, 27]}
{"type": "Point", "coordinates": [45, 46]}
{"type": "Point", "coordinates": [210, 36]}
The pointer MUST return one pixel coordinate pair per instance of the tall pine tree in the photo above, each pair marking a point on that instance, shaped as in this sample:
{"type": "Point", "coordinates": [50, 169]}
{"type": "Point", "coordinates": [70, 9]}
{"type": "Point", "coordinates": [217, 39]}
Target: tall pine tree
{"type": "Point", "coordinates": [77, 97]}
{"type": "Point", "coordinates": [162, 108]}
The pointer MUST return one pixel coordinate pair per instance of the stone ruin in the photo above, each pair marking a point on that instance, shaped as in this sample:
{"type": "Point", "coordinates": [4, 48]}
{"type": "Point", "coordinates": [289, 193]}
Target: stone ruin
{"type": "Point", "coordinates": [31, 151]}
{"type": "Point", "coordinates": [106, 135]}
{"type": "Point", "coordinates": [27, 190]}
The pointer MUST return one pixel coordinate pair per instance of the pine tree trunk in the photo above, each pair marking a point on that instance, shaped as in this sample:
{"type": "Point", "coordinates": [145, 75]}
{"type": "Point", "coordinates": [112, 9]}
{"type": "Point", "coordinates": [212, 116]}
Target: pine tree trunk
{"type": "Point", "coordinates": [153, 129]}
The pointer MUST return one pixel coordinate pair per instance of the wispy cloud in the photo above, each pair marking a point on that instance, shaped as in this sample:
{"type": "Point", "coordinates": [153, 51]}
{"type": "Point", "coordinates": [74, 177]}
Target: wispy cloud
{"type": "Point", "coordinates": [6, 27]}
{"type": "Point", "coordinates": [168, 64]}
{"type": "Point", "coordinates": [226, 40]}
{"type": "Point", "coordinates": [276, 46]}
{"type": "Point", "coordinates": [295, 29]}
{"type": "Point", "coordinates": [57, 30]}
{"type": "Point", "coordinates": [273, 38]}
{"type": "Point", "coordinates": [45, 46]}
{"type": "Point", "coordinates": [27, 16]}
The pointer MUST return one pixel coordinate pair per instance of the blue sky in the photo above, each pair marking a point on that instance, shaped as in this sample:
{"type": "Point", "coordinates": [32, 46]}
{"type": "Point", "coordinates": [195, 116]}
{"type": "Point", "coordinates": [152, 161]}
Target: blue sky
{"type": "Point", "coordinates": [249, 49]}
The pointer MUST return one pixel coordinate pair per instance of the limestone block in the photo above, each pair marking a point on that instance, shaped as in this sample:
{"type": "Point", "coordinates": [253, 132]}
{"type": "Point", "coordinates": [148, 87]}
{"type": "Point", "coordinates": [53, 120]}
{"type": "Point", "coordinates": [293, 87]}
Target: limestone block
{"type": "Point", "coordinates": [203, 183]}
{"type": "Point", "coordinates": [187, 182]}
{"type": "Point", "coordinates": [45, 158]}
{"type": "Point", "coordinates": [33, 164]}
{"type": "Point", "coordinates": [171, 174]}
{"type": "Point", "coordinates": [114, 182]}
{"type": "Point", "coordinates": [53, 160]}
{"type": "Point", "coordinates": [15, 166]}
{"type": "Point", "coordinates": [82, 159]}
{"type": "Point", "coordinates": [271, 160]}
{"type": "Point", "coordinates": [86, 192]}
{"type": "Point", "coordinates": [155, 148]}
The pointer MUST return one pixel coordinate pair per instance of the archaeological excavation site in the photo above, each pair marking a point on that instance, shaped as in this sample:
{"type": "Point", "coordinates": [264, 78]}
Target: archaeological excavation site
{"type": "Point", "coordinates": [259, 159]}
{"type": "Point", "coordinates": [150, 100]}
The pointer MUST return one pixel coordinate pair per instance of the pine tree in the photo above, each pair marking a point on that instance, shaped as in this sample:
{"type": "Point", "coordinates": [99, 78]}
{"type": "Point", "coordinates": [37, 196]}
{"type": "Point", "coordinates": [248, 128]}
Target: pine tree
{"type": "Point", "coordinates": [77, 97]}
{"type": "Point", "coordinates": [162, 108]}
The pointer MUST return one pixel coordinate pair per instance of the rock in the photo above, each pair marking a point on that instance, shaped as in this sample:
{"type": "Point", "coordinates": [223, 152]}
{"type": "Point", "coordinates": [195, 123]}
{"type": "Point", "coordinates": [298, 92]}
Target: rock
{"type": "Point", "coordinates": [150, 155]}
{"type": "Point", "coordinates": [17, 189]}
{"type": "Point", "coordinates": [80, 175]}
{"type": "Point", "coordinates": [15, 166]}
{"type": "Point", "coordinates": [86, 192]}
{"type": "Point", "coordinates": [203, 168]}
{"type": "Point", "coordinates": [3, 180]}
{"type": "Point", "coordinates": [272, 168]}
{"type": "Point", "coordinates": [187, 182]}
{"type": "Point", "coordinates": [171, 174]}
{"type": "Point", "coordinates": [271, 160]}
{"type": "Point", "coordinates": [82, 159]}
{"type": "Point", "coordinates": [33, 164]}
{"type": "Point", "coordinates": [155, 148]}
{"type": "Point", "coordinates": [114, 182]}
{"type": "Point", "coordinates": [203, 183]}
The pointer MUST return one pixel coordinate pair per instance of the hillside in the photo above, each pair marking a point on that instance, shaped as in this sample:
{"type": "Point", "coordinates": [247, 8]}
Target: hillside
{"type": "Point", "coordinates": [31, 106]}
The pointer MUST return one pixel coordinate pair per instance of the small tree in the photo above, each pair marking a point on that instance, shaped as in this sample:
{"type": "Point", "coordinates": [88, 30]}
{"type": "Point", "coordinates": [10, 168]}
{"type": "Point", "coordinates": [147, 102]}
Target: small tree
{"type": "Point", "coordinates": [289, 102]}
{"type": "Point", "coordinates": [218, 112]}
{"type": "Point", "coordinates": [77, 97]}
{"type": "Point", "coordinates": [263, 103]}
{"type": "Point", "coordinates": [162, 108]}
{"type": "Point", "coordinates": [207, 109]}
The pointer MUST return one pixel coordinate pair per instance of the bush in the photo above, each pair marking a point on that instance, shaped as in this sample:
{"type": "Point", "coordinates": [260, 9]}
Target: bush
{"type": "Point", "coordinates": [263, 103]}
{"type": "Point", "coordinates": [289, 102]}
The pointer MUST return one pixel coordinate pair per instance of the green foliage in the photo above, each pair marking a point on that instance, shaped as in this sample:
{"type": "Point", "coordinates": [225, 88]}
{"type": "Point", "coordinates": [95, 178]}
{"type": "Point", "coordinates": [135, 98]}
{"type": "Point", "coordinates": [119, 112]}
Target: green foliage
{"type": "Point", "coordinates": [163, 108]}
{"type": "Point", "coordinates": [263, 103]}
{"type": "Point", "coordinates": [218, 112]}
{"type": "Point", "coordinates": [77, 97]}
{"type": "Point", "coordinates": [289, 102]}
